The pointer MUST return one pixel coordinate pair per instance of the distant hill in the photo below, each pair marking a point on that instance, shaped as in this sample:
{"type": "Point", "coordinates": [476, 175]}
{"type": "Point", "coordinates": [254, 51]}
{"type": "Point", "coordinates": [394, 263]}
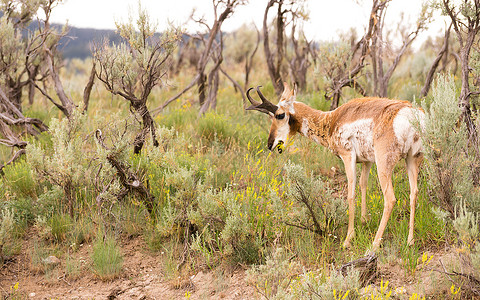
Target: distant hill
{"type": "Point", "coordinates": [78, 42]}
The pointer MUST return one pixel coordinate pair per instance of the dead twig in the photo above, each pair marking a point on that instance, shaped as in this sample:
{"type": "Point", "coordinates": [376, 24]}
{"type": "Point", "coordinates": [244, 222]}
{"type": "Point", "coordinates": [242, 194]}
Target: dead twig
{"type": "Point", "coordinates": [366, 265]}
{"type": "Point", "coordinates": [472, 282]}
{"type": "Point", "coordinates": [130, 180]}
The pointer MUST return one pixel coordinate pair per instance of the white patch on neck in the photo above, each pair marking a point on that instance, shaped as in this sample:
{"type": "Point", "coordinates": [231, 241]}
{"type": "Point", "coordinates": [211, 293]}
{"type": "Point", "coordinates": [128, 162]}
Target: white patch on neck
{"type": "Point", "coordinates": [304, 131]}
{"type": "Point", "coordinates": [305, 127]}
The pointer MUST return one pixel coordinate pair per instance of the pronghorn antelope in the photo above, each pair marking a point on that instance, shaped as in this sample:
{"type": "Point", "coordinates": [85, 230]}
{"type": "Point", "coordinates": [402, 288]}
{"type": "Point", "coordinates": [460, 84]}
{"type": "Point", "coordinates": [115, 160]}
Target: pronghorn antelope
{"type": "Point", "coordinates": [365, 130]}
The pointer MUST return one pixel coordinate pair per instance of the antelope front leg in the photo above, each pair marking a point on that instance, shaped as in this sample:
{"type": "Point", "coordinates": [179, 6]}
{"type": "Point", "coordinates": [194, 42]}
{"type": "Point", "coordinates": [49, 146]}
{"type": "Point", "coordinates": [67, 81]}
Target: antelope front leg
{"type": "Point", "coordinates": [363, 188]}
{"type": "Point", "coordinates": [349, 161]}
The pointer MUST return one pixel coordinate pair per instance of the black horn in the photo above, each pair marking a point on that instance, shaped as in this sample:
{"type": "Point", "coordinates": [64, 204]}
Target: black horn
{"type": "Point", "coordinates": [265, 107]}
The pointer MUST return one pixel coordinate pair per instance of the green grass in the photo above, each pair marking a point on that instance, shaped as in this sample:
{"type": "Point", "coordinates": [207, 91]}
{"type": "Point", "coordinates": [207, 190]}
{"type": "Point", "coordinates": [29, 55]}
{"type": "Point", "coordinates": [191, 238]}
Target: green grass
{"type": "Point", "coordinates": [61, 225]}
{"type": "Point", "coordinates": [82, 232]}
{"type": "Point", "coordinates": [19, 180]}
{"type": "Point", "coordinates": [107, 259]}
{"type": "Point", "coordinates": [132, 219]}
{"type": "Point", "coordinates": [73, 267]}
{"type": "Point", "coordinates": [198, 159]}
{"type": "Point", "coordinates": [38, 253]}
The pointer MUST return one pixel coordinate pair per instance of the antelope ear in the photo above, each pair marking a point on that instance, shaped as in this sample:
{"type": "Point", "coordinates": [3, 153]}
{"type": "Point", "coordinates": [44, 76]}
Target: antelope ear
{"type": "Point", "coordinates": [291, 96]}
{"type": "Point", "coordinates": [294, 93]}
{"type": "Point", "coordinates": [286, 91]}
{"type": "Point", "coordinates": [287, 98]}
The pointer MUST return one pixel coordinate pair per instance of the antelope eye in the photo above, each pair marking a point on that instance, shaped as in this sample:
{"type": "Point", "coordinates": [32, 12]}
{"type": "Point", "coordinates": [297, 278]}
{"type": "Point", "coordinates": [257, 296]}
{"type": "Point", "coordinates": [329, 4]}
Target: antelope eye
{"type": "Point", "coordinates": [280, 116]}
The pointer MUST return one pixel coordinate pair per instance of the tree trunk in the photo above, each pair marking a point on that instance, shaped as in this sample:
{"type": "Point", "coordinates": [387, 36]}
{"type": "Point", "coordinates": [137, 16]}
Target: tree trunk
{"type": "Point", "coordinates": [201, 83]}
{"type": "Point", "coordinates": [214, 91]}
{"type": "Point", "coordinates": [335, 100]}
{"type": "Point", "coordinates": [14, 93]}
{"type": "Point", "coordinates": [69, 195]}
{"type": "Point", "coordinates": [211, 101]}
{"type": "Point", "coordinates": [88, 88]}
{"type": "Point", "coordinates": [31, 93]}
{"type": "Point", "coordinates": [148, 126]}
{"type": "Point", "coordinates": [249, 61]}
{"type": "Point", "coordinates": [436, 62]}
{"type": "Point", "coordinates": [67, 105]}
{"type": "Point", "coordinates": [273, 72]}
{"type": "Point", "coordinates": [463, 101]}
{"type": "Point", "coordinates": [128, 179]}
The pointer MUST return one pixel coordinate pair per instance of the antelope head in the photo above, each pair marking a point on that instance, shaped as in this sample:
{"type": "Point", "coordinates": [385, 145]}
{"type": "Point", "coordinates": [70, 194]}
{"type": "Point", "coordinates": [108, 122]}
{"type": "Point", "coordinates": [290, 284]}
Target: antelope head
{"type": "Point", "coordinates": [282, 116]}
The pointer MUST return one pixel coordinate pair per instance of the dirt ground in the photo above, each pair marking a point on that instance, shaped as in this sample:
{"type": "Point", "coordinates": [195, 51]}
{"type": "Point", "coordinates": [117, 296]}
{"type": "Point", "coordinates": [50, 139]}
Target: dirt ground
{"type": "Point", "coordinates": [142, 278]}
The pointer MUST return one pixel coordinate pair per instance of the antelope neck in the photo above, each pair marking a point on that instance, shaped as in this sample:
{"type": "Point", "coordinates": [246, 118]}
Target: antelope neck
{"type": "Point", "coordinates": [313, 124]}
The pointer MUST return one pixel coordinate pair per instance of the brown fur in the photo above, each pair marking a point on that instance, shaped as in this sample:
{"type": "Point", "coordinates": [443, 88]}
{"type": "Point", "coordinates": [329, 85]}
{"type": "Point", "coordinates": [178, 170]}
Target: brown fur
{"type": "Point", "coordinates": [326, 129]}
{"type": "Point", "coordinates": [325, 124]}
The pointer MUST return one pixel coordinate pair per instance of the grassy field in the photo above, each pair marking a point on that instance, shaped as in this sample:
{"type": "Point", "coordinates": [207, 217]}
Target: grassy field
{"type": "Point", "coordinates": [222, 201]}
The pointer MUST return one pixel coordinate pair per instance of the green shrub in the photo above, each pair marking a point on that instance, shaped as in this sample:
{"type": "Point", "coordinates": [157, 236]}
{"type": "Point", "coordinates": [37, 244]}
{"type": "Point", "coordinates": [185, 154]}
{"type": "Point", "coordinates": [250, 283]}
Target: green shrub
{"type": "Point", "coordinates": [314, 285]}
{"type": "Point", "coordinates": [19, 179]}
{"type": "Point", "coordinates": [8, 239]}
{"type": "Point", "coordinates": [316, 208]}
{"type": "Point", "coordinates": [47, 202]}
{"type": "Point", "coordinates": [446, 150]}
{"type": "Point", "coordinates": [25, 211]}
{"type": "Point", "coordinates": [107, 258]}
{"type": "Point", "coordinates": [241, 228]}
{"type": "Point", "coordinates": [449, 163]}
{"type": "Point", "coordinates": [181, 191]}
{"type": "Point", "coordinates": [177, 119]}
{"type": "Point", "coordinates": [64, 165]}
{"type": "Point", "coordinates": [220, 221]}
{"type": "Point", "coordinates": [275, 276]}
{"type": "Point", "coordinates": [238, 221]}
{"type": "Point", "coordinates": [215, 126]}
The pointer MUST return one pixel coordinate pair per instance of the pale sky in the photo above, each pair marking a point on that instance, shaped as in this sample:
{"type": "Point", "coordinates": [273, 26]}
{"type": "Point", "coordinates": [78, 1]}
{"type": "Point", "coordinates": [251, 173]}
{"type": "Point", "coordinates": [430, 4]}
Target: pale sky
{"type": "Point", "coordinates": [327, 17]}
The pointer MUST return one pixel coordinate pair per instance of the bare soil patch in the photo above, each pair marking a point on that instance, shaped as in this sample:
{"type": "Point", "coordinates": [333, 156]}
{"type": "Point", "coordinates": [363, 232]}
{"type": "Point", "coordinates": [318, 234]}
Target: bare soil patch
{"type": "Point", "coordinates": [142, 277]}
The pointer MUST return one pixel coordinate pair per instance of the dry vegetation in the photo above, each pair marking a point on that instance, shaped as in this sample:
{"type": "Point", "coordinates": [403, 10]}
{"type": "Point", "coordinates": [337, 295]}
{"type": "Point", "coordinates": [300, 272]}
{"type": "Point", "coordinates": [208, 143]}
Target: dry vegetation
{"type": "Point", "coordinates": [140, 195]}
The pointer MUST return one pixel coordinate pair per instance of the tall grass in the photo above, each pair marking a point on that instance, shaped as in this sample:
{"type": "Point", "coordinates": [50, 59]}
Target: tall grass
{"type": "Point", "coordinates": [107, 259]}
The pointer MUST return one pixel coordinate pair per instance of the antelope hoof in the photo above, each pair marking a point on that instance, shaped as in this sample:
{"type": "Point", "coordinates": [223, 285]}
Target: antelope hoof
{"type": "Point", "coordinates": [349, 237]}
{"type": "Point", "coordinates": [364, 219]}
{"type": "Point", "coordinates": [410, 241]}
{"type": "Point", "coordinates": [370, 252]}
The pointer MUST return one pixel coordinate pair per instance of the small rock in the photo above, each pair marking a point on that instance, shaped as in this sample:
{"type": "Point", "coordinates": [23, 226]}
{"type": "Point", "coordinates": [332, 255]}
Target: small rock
{"type": "Point", "coordinates": [51, 260]}
{"type": "Point", "coordinates": [31, 295]}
